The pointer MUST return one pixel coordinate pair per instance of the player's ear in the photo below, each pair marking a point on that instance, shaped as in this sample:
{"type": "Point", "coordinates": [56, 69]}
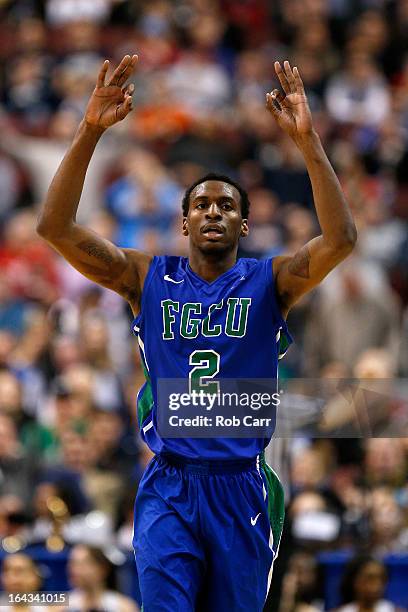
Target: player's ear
{"type": "Point", "coordinates": [244, 228]}
{"type": "Point", "coordinates": [185, 227]}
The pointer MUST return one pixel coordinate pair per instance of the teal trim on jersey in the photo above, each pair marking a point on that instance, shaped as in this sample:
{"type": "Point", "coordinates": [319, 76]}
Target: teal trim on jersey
{"type": "Point", "coordinates": [276, 502]}
{"type": "Point", "coordinates": [284, 343]}
{"type": "Point", "coordinates": [145, 401]}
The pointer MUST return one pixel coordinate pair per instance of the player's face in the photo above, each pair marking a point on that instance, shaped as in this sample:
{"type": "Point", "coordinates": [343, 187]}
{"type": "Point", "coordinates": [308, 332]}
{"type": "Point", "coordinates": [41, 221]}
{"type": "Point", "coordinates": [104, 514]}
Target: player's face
{"type": "Point", "coordinates": [214, 221]}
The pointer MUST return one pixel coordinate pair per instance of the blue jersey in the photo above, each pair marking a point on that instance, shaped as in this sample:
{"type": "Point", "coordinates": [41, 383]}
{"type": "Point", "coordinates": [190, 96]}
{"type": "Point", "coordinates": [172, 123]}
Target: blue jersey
{"type": "Point", "coordinates": [182, 316]}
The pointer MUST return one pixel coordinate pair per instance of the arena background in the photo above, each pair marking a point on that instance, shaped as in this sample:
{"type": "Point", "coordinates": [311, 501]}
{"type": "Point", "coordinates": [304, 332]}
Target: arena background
{"type": "Point", "coordinates": [70, 455]}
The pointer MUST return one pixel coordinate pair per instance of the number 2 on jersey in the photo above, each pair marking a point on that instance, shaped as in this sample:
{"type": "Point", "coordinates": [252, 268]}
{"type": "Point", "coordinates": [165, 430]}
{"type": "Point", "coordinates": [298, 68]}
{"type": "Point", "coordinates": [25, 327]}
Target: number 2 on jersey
{"type": "Point", "coordinates": [206, 365]}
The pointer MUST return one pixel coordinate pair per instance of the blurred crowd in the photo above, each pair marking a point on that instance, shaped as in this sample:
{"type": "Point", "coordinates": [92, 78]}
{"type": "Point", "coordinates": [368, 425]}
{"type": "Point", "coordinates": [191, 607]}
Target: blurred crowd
{"type": "Point", "coordinates": [70, 457]}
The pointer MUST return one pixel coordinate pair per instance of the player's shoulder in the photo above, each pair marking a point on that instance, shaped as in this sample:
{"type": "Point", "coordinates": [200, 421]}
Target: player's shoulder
{"type": "Point", "coordinates": [169, 264]}
{"type": "Point", "coordinates": [165, 267]}
{"type": "Point", "coordinates": [249, 261]}
{"type": "Point", "coordinates": [278, 262]}
{"type": "Point", "coordinates": [138, 261]}
{"type": "Point", "coordinates": [250, 264]}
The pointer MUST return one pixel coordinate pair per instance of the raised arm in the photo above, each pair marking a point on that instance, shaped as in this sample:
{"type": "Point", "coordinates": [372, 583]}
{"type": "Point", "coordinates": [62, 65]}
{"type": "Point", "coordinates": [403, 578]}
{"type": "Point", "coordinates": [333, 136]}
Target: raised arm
{"type": "Point", "coordinates": [299, 273]}
{"type": "Point", "coordinates": [122, 270]}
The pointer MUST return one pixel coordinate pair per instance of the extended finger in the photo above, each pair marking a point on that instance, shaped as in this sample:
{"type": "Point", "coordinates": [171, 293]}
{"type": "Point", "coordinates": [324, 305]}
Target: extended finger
{"type": "Point", "coordinates": [128, 71]}
{"type": "Point", "coordinates": [282, 78]}
{"type": "Point", "coordinates": [298, 80]}
{"type": "Point", "coordinates": [125, 70]}
{"type": "Point", "coordinates": [290, 77]}
{"type": "Point", "coordinates": [102, 74]}
{"type": "Point", "coordinates": [119, 70]}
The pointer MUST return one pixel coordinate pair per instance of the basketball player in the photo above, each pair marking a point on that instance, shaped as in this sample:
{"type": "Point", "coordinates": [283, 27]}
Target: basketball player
{"type": "Point", "coordinates": [209, 512]}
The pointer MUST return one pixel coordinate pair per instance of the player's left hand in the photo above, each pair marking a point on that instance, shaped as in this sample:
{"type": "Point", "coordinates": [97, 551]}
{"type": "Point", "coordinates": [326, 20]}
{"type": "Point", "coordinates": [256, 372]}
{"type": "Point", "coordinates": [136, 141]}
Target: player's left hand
{"type": "Point", "coordinates": [291, 110]}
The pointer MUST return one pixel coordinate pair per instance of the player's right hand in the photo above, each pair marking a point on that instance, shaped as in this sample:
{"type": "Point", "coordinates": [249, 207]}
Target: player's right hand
{"type": "Point", "coordinates": [111, 102]}
{"type": "Point", "coordinates": [291, 110]}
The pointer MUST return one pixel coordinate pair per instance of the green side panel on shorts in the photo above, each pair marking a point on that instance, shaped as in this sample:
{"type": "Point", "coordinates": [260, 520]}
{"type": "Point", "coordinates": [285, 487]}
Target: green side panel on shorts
{"type": "Point", "coordinates": [276, 502]}
{"type": "Point", "coordinates": [145, 401]}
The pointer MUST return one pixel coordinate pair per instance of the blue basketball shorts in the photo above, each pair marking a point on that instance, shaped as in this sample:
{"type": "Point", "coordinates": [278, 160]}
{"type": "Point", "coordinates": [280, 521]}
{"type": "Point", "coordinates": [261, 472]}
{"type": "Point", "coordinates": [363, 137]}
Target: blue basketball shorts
{"type": "Point", "coordinates": [206, 534]}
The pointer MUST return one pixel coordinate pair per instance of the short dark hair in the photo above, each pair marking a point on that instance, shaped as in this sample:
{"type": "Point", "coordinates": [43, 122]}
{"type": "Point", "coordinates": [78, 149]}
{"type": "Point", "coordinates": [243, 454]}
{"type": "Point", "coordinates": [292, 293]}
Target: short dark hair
{"type": "Point", "coordinates": [352, 571]}
{"type": "Point", "coordinates": [212, 176]}
{"type": "Point", "coordinates": [99, 557]}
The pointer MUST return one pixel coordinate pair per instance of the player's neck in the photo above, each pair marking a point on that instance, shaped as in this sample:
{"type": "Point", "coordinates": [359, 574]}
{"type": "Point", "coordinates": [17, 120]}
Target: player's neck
{"type": "Point", "coordinates": [211, 266]}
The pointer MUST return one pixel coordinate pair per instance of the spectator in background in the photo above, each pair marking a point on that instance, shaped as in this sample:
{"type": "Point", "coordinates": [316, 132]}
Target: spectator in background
{"type": "Point", "coordinates": [69, 407]}
{"type": "Point", "coordinates": [156, 34]}
{"type": "Point", "coordinates": [330, 335]}
{"type": "Point", "coordinates": [28, 358]}
{"type": "Point", "coordinates": [92, 576]}
{"type": "Point", "coordinates": [265, 237]}
{"type": "Point", "coordinates": [385, 462]}
{"type": "Point", "coordinates": [13, 310]}
{"type": "Point", "coordinates": [34, 437]}
{"type": "Point", "coordinates": [252, 76]}
{"type": "Point", "coordinates": [60, 498]}
{"type": "Point", "coordinates": [79, 463]}
{"type": "Point", "coordinates": [18, 470]}
{"type": "Point", "coordinates": [20, 574]}
{"type": "Point", "coordinates": [146, 198]}
{"type": "Point", "coordinates": [358, 95]}
{"type": "Point", "coordinates": [363, 586]}
{"type": "Point", "coordinates": [28, 96]}
{"type": "Point", "coordinates": [389, 533]}
{"type": "Point", "coordinates": [300, 591]}
{"type": "Point", "coordinates": [371, 33]}
{"type": "Point", "coordinates": [382, 234]}
{"type": "Point", "coordinates": [310, 467]}
{"type": "Point", "coordinates": [160, 117]}
{"type": "Point", "coordinates": [313, 42]}
{"type": "Point", "coordinates": [365, 406]}
{"type": "Point", "coordinates": [26, 261]}
{"type": "Point", "coordinates": [298, 224]}
{"type": "Point", "coordinates": [59, 12]}
{"type": "Point", "coordinates": [14, 522]}
{"type": "Point", "coordinates": [107, 389]}
{"type": "Point", "coordinates": [42, 155]}
{"type": "Point", "coordinates": [15, 188]}
{"type": "Point", "coordinates": [315, 522]}
{"type": "Point", "coordinates": [115, 452]}
{"type": "Point", "coordinates": [197, 82]}
{"type": "Point", "coordinates": [284, 171]}
{"type": "Point", "coordinates": [73, 83]}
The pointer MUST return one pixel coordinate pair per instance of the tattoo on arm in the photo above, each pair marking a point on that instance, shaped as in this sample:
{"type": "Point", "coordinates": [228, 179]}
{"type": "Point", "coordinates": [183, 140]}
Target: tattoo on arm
{"type": "Point", "coordinates": [95, 250]}
{"type": "Point", "coordinates": [299, 264]}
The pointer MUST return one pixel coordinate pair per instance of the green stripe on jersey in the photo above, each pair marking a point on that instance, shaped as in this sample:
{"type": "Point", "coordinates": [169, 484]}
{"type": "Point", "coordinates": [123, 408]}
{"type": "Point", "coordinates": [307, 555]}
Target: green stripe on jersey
{"type": "Point", "coordinates": [145, 401]}
{"type": "Point", "coordinates": [283, 345]}
{"type": "Point", "coordinates": [276, 502]}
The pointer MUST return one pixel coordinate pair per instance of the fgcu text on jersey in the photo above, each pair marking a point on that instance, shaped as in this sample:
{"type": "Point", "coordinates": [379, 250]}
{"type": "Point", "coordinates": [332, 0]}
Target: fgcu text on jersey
{"type": "Point", "coordinates": [231, 328]}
